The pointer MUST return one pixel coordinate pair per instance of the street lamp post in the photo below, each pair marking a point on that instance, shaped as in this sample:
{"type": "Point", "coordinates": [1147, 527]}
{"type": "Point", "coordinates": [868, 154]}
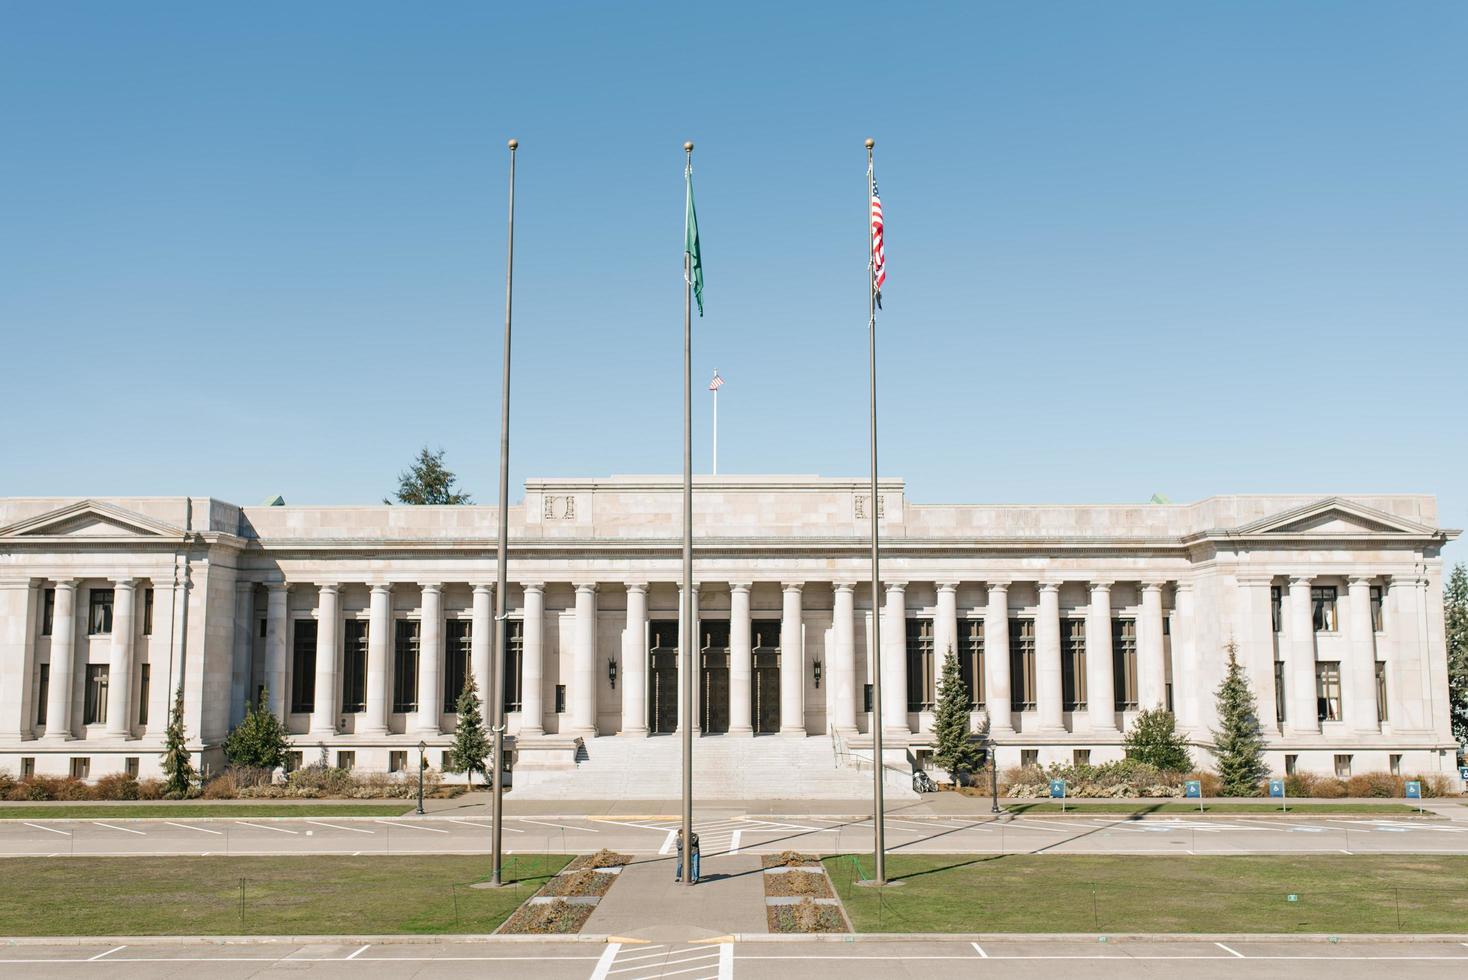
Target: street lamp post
{"type": "Point", "coordinates": [993, 776]}
{"type": "Point", "coordinates": [422, 764]}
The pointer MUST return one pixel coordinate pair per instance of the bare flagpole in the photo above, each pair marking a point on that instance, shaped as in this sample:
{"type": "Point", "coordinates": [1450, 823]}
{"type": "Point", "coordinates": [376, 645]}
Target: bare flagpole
{"type": "Point", "coordinates": [716, 425]}
{"type": "Point", "coordinates": [878, 808]}
{"type": "Point", "coordinates": [495, 693]}
{"type": "Point", "coordinates": [689, 630]}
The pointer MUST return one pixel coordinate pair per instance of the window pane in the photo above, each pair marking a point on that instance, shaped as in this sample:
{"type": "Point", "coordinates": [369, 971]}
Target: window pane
{"type": "Point", "coordinates": [99, 619]}
{"type": "Point", "coordinates": [94, 708]}
{"type": "Point", "coordinates": [457, 646]}
{"type": "Point", "coordinates": [354, 666]}
{"type": "Point", "coordinates": [1124, 662]}
{"type": "Point", "coordinates": [405, 666]}
{"type": "Point", "coordinates": [1328, 690]}
{"type": "Point", "coordinates": [1322, 608]}
{"type": "Point", "coordinates": [303, 667]}
{"type": "Point", "coordinates": [1022, 663]}
{"type": "Point", "coordinates": [920, 682]}
{"type": "Point", "coordinates": [971, 661]}
{"type": "Point", "coordinates": [1073, 663]}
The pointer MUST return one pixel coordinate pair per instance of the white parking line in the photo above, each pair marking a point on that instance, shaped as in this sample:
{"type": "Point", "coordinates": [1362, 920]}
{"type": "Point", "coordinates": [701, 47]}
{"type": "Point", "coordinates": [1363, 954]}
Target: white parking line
{"type": "Point", "coordinates": [668, 843]}
{"type": "Point", "coordinates": [657, 951]}
{"type": "Point", "coordinates": [726, 961]}
{"type": "Point", "coordinates": [1228, 949]}
{"type": "Point", "coordinates": [980, 950]}
{"type": "Point", "coordinates": [261, 826]}
{"type": "Point", "coordinates": [202, 830]}
{"type": "Point", "coordinates": [558, 826]}
{"type": "Point", "coordinates": [108, 953]}
{"type": "Point", "coordinates": [333, 826]}
{"type": "Point", "coordinates": [486, 825]}
{"type": "Point", "coordinates": [413, 826]}
{"type": "Point", "coordinates": [360, 952]}
{"type": "Point", "coordinates": [734, 842]}
{"type": "Point", "coordinates": [125, 830]}
{"type": "Point", "coordinates": [53, 830]}
{"type": "Point", "coordinates": [605, 962]}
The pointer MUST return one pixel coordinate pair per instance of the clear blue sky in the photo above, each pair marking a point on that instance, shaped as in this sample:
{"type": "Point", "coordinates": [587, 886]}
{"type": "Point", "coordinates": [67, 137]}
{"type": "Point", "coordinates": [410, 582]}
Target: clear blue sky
{"type": "Point", "coordinates": [1133, 247]}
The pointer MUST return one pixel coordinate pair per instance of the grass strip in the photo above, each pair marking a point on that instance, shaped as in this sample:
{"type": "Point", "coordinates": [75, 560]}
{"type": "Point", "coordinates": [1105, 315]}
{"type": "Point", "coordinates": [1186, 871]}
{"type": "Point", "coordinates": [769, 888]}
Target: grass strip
{"type": "Point", "coordinates": [1172, 894]}
{"type": "Point", "coordinates": [1259, 809]}
{"type": "Point", "coordinates": [179, 811]}
{"type": "Point", "coordinates": [298, 895]}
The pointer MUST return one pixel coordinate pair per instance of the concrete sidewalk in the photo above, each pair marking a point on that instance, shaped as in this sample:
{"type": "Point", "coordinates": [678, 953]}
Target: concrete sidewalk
{"type": "Point", "coordinates": [646, 903]}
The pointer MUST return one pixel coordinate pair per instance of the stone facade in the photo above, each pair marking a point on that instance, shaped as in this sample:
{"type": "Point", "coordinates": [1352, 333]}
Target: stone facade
{"type": "Point", "coordinates": [1069, 619]}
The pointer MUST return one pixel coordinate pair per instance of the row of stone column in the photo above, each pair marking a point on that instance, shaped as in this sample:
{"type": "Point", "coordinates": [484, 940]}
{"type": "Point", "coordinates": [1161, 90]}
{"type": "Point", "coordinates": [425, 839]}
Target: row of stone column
{"type": "Point", "coordinates": [120, 659]}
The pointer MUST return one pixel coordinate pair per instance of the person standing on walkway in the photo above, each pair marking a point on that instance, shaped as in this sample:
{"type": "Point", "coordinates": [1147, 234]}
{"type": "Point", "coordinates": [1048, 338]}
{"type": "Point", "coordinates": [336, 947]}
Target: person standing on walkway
{"type": "Point", "coordinates": [678, 872]}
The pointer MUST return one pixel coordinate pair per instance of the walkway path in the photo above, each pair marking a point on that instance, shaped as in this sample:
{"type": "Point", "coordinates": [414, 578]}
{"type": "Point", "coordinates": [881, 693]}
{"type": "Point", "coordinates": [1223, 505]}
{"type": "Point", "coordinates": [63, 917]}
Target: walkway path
{"type": "Point", "coordinates": [646, 903]}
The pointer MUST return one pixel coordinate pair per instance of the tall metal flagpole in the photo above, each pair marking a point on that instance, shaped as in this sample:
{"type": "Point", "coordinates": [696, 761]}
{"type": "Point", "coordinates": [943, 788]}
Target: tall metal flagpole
{"type": "Point", "coordinates": [687, 633]}
{"type": "Point", "coordinates": [716, 426]}
{"type": "Point", "coordinates": [497, 666]}
{"type": "Point", "coordinates": [878, 809]}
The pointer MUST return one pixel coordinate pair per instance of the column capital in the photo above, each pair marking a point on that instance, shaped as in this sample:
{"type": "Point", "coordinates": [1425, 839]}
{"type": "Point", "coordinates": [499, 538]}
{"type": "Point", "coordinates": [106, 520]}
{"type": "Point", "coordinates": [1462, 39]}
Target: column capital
{"type": "Point", "coordinates": [843, 586]}
{"type": "Point", "coordinates": [898, 587]}
{"type": "Point", "coordinates": [640, 587]}
{"type": "Point", "coordinates": [792, 586]}
{"type": "Point", "coordinates": [328, 588]}
{"type": "Point", "coordinates": [1366, 580]}
{"type": "Point", "coordinates": [1184, 585]}
{"type": "Point", "coordinates": [529, 587]}
{"type": "Point", "coordinates": [1102, 584]}
{"type": "Point", "coordinates": [66, 584]}
{"type": "Point", "coordinates": [1301, 581]}
{"type": "Point", "coordinates": [431, 587]}
{"type": "Point", "coordinates": [379, 588]}
{"type": "Point", "coordinates": [125, 583]}
{"type": "Point", "coordinates": [950, 585]}
{"type": "Point", "coordinates": [277, 588]}
{"type": "Point", "coordinates": [998, 585]}
{"type": "Point", "coordinates": [584, 586]}
{"type": "Point", "coordinates": [1154, 584]}
{"type": "Point", "coordinates": [1048, 586]}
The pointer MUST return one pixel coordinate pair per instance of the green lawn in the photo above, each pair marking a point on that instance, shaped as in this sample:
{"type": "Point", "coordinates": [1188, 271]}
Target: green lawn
{"type": "Point", "coordinates": [1128, 893]}
{"type": "Point", "coordinates": [301, 895]}
{"type": "Point", "coordinates": [194, 809]}
{"type": "Point", "coordinates": [1086, 806]}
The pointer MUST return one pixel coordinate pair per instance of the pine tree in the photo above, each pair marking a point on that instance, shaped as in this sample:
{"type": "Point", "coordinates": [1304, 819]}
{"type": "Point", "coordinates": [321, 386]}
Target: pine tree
{"type": "Point", "coordinates": [954, 747]}
{"type": "Point", "coordinates": [178, 770]}
{"type": "Point", "coordinates": [471, 742]}
{"type": "Point", "coordinates": [1238, 740]}
{"type": "Point", "coordinates": [1154, 739]}
{"type": "Point", "coordinates": [428, 481]}
{"type": "Point", "coordinates": [1455, 615]}
{"type": "Point", "coordinates": [260, 740]}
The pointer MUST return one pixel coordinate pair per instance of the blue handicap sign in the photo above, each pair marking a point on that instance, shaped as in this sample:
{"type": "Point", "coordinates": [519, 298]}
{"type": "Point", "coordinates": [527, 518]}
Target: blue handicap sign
{"type": "Point", "coordinates": [1463, 773]}
{"type": "Point", "coordinates": [1414, 790]}
{"type": "Point", "coordinates": [1193, 789]}
{"type": "Point", "coordinates": [1057, 789]}
{"type": "Point", "coordinates": [1276, 788]}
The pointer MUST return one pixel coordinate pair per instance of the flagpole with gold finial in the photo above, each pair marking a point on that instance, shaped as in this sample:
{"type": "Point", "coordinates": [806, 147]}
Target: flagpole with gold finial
{"type": "Point", "coordinates": [878, 814]}
{"type": "Point", "coordinates": [689, 630]}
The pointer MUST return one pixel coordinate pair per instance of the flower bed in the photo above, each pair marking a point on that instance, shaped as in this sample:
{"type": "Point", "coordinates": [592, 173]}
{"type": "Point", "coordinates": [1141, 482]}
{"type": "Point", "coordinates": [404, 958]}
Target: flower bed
{"type": "Point", "coordinates": [557, 917]}
{"type": "Point", "coordinates": [798, 884]}
{"type": "Point", "coordinates": [1128, 779]}
{"type": "Point", "coordinates": [790, 859]}
{"type": "Point", "coordinates": [806, 916]}
{"type": "Point", "coordinates": [565, 902]}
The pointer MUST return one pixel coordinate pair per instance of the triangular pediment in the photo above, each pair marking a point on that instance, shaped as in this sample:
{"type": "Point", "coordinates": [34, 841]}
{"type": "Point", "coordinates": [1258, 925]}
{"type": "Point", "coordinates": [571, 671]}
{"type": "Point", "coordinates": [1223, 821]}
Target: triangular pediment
{"type": "Point", "coordinates": [1335, 516]}
{"type": "Point", "coordinates": [89, 519]}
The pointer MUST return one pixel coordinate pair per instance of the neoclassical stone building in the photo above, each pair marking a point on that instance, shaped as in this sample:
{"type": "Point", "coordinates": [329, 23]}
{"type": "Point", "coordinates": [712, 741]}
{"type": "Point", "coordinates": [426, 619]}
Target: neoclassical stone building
{"type": "Point", "coordinates": [362, 622]}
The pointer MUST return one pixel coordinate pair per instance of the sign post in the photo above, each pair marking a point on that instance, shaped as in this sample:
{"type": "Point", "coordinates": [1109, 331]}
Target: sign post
{"type": "Point", "coordinates": [1193, 790]}
{"type": "Point", "coordinates": [1057, 791]}
{"type": "Point", "coordinates": [1414, 792]}
{"type": "Point", "coordinates": [1277, 791]}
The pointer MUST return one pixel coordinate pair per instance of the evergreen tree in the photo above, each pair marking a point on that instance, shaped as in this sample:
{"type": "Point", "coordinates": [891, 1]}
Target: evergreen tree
{"type": "Point", "coordinates": [428, 481]}
{"type": "Point", "coordinates": [1154, 739]}
{"type": "Point", "coordinates": [260, 741]}
{"type": "Point", "coordinates": [1238, 740]}
{"type": "Point", "coordinates": [471, 742]}
{"type": "Point", "coordinates": [1455, 615]}
{"type": "Point", "coordinates": [178, 770]}
{"type": "Point", "coordinates": [954, 747]}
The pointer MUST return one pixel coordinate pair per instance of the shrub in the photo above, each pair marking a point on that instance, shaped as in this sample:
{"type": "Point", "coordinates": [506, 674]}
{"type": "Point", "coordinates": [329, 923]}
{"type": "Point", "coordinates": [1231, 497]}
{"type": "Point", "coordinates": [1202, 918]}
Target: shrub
{"type": "Point", "coordinates": [1210, 783]}
{"type": "Point", "coordinates": [1375, 785]}
{"type": "Point", "coordinates": [1301, 784]}
{"type": "Point", "coordinates": [1154, 739]}
{"type": "Point", "coordinates": [115, 786]}
{"type": "Point", "coordinates": [150, 789]}
{"type": "Point", "coordinates": [222, 787]}
{"type": "Point", "coordinates": [1435, 785]}
{"type": "Point", "coordinates": [1330, 789]}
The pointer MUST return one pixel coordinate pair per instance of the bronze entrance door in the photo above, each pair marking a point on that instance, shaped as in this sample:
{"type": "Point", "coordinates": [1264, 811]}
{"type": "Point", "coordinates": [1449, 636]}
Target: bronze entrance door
{"type": "Point", "coordinates": [713, 682]}
{"type": "Point", "coordinates": [765, 638]}
{"type": "Point", "coordinates": [662, 677]}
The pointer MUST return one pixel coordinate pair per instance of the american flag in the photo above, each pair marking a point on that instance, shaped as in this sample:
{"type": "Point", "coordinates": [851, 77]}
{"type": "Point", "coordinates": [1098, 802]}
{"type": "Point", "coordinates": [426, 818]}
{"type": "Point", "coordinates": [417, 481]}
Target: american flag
{"type": "Point", "coordinates": [879, 256]}
{"type": "Point", "coordinates": [717, 383]}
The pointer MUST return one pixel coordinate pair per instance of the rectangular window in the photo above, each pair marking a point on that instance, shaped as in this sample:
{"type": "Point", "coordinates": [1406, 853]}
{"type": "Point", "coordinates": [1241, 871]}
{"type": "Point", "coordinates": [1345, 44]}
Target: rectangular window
{"type": "Point", "coordinates": [346, 760]}
{"type": "Point", "coordinates": [971, 662]}
{"type": "Point", "coordinates": [27, 766]}
{"type": "Point", "coordinates": [1124, 663]}
{"type": "Point", "coordinates": [1022, 663]}
{"type": "Point", "coordinates": [1081, 757]}
{"type": "Point", "coordinates": [293, 761]}
{"type": "Point", "coordinates": [354, 666]}
{"type": "Point", "coordinates": [43, 692]}
{"type": "Point", "coordinates": [95, 706]}
{"type": "Point", "coordinates": [920, 680]}
{"type": "Point", "coordinates": [1328, 689]}
{"type": "Point", "coordinates": [405, 665]}
{"type": "Point", "coordinates": [397, 760]}
{"type": "Point", "coordinates": [145, 683]}
{"type": "Point", "coordinates": [147, 612]}
{"type": "Point", "coordinates": [263, 627]}
{"type": "Point", "coordinates": [1382, 715]}
{"type": "Point", "coordinates": [1292, 763]}
{"type": "Point", "coordinates": [48, 611]}
{"type": "Point", "coordinates": [1322, 608]}
{"type": "Point", "coordinates": [99, 616]}
{"type": "Point", "coordinates": [1280, 701]}
{"type": "Point", "coordinates": [514, 658]}
{"type": "Point", "coordinates": [560, 699]}
{"type": "Point", "coordinates": [1073, 664]}
{"type": "Point", "coordinates": [81, 767]}
{"type": "Point", "coordinates": [1395, 761]}
{"type": "Point", "coordinates": [1276, 608]}
{"type": "Point", "coordinates": [457, 646]}
{"type": "Point", "coordinates": [1376, 598]}
{"type": "Point", "coordinates": [303, 667]}
{"type": "Point", "coordinates": [1343, 766]}
{"type": "Point", "coordinates": [130, 766]}
{"type": "Point", "coordinates": [1029, 757]}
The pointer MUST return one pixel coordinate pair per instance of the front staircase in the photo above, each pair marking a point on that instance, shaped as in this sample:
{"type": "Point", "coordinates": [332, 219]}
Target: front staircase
{"type": "Point", "coordinates": [774, 767]}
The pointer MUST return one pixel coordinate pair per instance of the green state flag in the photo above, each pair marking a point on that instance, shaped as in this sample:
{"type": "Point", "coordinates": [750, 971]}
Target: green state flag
{"type": "Point", "coordinates": [694, 268]}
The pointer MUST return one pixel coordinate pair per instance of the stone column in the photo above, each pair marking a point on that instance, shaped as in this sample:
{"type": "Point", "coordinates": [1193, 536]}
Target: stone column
{"type": "Point", "coordinates": [1255, 639]}
{"type": "Point", "coordinates": [996, 659]}
{"type": "Point", "coordinates": [1048, 693]}
{"type": "Point", "coordinates": [430, 660]}
{"type": "Point", "coordinates": [741, 661]}
{"type": "Point", "coordinates": [63, 662]}
{"type": "Point", "coordinates": [379, 650]}
{"type": "Point", "coordinates": [120, 660]}
{"type": "Point", "coordinates": [1151, 668]}
{"type": "Point", "coordinates": [583, 664]}
{"type": "Point", "coordinates": [1304, 710]}
{"type": "Point", "coordinates": [244, 646]}
{"type": "Point", "coordinates": [792, 662]}
{"type": "Point", "coordinates": [1188, 684]}
{"type": "Point", "coordinates": [481, 646]}
{"type": "Point", "coordinates": [1100, 682]}
{"type": "Point", "coordinates": [277, 610]}
{"type": "Point", "coordinates": [945, 624]}
{"type": "Point", "coordinates": [894, 662]}
{"type": "Point", "coordinates": [634, 662]}
{"type": "Point", "coordinates": [159, 652]}
{"type": "Point", "coordinates": [532, 661]}
{"type": "Point", "coordinates": [328, 615]}
{"type": "Point", "coordinates": [1360, 702]}
{"type": "Point", "coordinates": [842, 659]}
{"type": "Point", "coordinates": [20, 608]}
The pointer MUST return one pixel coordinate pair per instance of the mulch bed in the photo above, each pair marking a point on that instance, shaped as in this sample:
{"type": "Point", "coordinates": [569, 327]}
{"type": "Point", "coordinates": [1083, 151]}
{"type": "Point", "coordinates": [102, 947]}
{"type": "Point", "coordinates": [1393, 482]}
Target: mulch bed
{"type": "Point", "coordinates": [601, 859]}
{"type": "Point", "coordinates": [797, 883]}
{"type": "Point", "coordinates": [791, 859]}
{"type": "Point", "coordinates": [549, 918]}
{"type": "Point", "coordinates": [583, 883]}
{"type": "Point", "coordinates": [806, 916]}
{"type": "Point", "coordinates": [578, 880]}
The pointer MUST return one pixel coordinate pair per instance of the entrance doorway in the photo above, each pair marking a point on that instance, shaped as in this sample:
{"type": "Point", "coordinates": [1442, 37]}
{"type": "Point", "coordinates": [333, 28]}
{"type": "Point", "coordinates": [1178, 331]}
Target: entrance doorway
{"type": "Point", "coordinates": [713, 688]}
{"type": "Point", "coordinates": [765, 638]}
{"type": "Point", "coordinates": [662, 677]}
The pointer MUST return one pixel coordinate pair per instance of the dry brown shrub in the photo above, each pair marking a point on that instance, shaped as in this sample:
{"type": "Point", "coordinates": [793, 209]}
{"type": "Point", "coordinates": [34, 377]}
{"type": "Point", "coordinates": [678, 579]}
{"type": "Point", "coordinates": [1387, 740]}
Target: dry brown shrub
{"type": "Point", "coordinates": [797, 883]}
